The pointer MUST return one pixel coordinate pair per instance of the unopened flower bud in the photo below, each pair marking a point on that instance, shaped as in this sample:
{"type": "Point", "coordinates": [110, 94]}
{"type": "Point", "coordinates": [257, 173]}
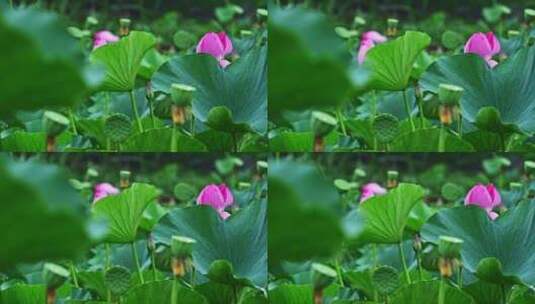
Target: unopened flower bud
{"type": "Point", "coordinates": [124, 181]}
{"type": "Point", "coordinates": [392, 179]}
{"type": "Point", "coordinates": [124, 30]}
{"type": "Point", "coordinates": [392, 29]}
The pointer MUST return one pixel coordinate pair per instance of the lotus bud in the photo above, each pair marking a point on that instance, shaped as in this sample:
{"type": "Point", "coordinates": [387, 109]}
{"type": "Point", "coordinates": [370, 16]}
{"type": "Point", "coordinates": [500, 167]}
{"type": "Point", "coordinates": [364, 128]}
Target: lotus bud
{"type": "Point", "coordinates": [392, 179]}
{"type": "Point", "coordinates": [124, 179]}
{"type": "Point", "coordinates": [322, 125]}
{"type": "Point", "coordinates": [124, 30]}
{"type": "Point", "coordinates": [513, 34]}
{"type": "Point", "coordinates": [392, 29]}
{"type": "Point", "coordinates": [54, 124]}
{"type": "Point", "coordinates": [181, 249]}
{"type": "Point", "coordinates": [322, 276]}
{"type": "Point", "coordinates": [529, 15]}
{"type": "Point", "coordinates": [54, 276]}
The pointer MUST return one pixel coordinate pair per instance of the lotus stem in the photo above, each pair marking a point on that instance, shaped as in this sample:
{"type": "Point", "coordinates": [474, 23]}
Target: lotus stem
{"type": "Point", "coordinates": [442, 139]}
{"type": "Point", "coordinates": [374, 113]}
{"type": "Point", "coordinates": [460, 277]}
{"type": "Point", "coordinates": [136, 260]}
{"type": "Point", "coordinates": [460, 126]}
{"type": "Point", "coordinates": [174, 291]}
{"type": "Point", "coordinates": [136, 113]}
{"type": "Point", "coordinates": [11, 3]}
{"type": "Point", "coordinates": [420, 269]}
{"type": "Point", "coordinates": [442, 291]}
{"type": "Point", "coordinates": [73, 124]}
{"type": "Point", "coordinates": [174, 145]}
{"type": "Point", "coordinates": [234, 142]}
{"type": "Point", "coordinates": [340, 118]}
{"type": "Point", "coordinates": [73, 275]}
{"type": "Point", "coordinates": [152, 117]}
{"type": "Point", "coordinates": [404, 263]}
{"type": "Point", "coordinates": [419, 100]}
{"type": "Point", "coordinates": [338, 272]}
{"type": "Point", "coordinates": [408, 110]}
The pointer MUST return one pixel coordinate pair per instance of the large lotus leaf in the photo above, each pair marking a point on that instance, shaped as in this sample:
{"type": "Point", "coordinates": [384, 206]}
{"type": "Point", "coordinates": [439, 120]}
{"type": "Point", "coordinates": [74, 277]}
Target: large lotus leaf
{"type": "Point", "coordinates": [299, 196]}
{"type": "Point", "coordinates": [235, 95]}
{"type": "Point", "coordinates": [24, 294]}
{"type": "Point", "coordinates": [392, 61]}
{"type": "Point", "coordinates": [21, 141]}
{"type": "Point", "coordinates": [508, 87]}
{"type": "Point", "coordinates": [426, 140]}
{"type": "Point", "coordinates": [160, 292]}
{"type": "Point", "coordinates": [125, 211]}
{"type": "Point", "coordinates": [123, 59]}
{"type": "Point", "coordinates": [307, 61]}
{"type": "Point", "coordinates": [387, 215]}
{"type": "Point", "coordinates": [499, 251]}
{"type": "Point", "coordinates": [35, 196]}
{"type": "Point", "coordinates": [241, 239]}
{"type": "Point", "coordinates": [291, 294]}
{"type": "Point", "coordinates": [41, 63]}
{"type": "Point", "coordinates": [427, 292]}
{"type": "Point", "coordinates": [159, 140]}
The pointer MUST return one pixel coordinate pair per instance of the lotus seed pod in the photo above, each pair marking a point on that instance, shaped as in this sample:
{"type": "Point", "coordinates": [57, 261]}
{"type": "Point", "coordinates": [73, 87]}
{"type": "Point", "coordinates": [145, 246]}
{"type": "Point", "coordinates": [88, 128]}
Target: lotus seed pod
{"type": "Point", "coordinates": [359, 21]}
{"type": "Point", "coordinates": [262, 166]}
{"type": "Point", "coordinates": [181, 246]}
{"type": "Point", "coordinates": [385, 127]}
{"type": "Point", "coordinates": [392, 29]}
{"type": "Point", "coordinates": [118, 127]}
{"type": "Point", "coordinates": [91, 21]}
{"type": "Point", "coordinates": [516, 186]}
{"type": "Point", "coordinates": [322, 123]}
{"type": "Point", "coordinates": [54, 275]}
{"type": "Point", "coordinates": [244, 185]}
{"type": "Point", "coordinates": [512, 34]}
{"type": "Point", "coordinates": [124, 30]}
{"type": "Point", "coordinates": [117, 280]}
{"type": "Point", "coordinates": [449, 247]}
{"type": "Point", "coordinates": [392, 179]}
{"type": "Point", "coordinates": [322, 276]}
{"type": "Point", "coordinates": [262, 14]}
{"type": "Point", "coordinates": [124, 181]}
{"type": "Point", "coordinates": [529, 167]}
{"type": "Point", "coordinates": [54, 123]}
{"type": "Point", "coordinates": [182, 94]}
{"type": "Point", "coordinates": [246, 33]}
{"type": "Point", "coordinates": [385, 279]}
{"type": "Point", "coordinates": [529, 15]}
{"type": "Point", "coordinates": [449, 94]}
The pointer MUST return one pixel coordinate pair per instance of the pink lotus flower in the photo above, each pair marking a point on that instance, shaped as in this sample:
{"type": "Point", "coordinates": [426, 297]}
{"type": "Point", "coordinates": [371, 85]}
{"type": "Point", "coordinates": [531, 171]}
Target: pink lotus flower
{"type": "Point", "coordinates": [370, 190]}
{"type": "Point", "coordinates": [484, 45]}
{"type": "Point", "coordinates": [218, 45]}
{"type": "Point", "coordinates": [218, 197]}
{"type": "Point", "coordinates": [103, 37]}
{"type": "Point", "coordinates": [486, 197]}
{"type": "Point", "coordinates": [367, 42]}
{"type": "Point", "coordinates": [103, 190]}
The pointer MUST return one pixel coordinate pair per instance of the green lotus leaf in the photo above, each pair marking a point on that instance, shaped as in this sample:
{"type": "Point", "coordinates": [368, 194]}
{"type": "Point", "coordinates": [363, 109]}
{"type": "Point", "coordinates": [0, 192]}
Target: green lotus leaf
{"type": "Point", "coordinates": [37, 196]}
{"type": "Point", "coordinates": [159, 140]}
{"type": "Point", "coordinates": [298, 141]}
{"type": "Point", "coordinates": [24, 294]}
{"type": "Point", "coordinates": [298, 196]}
{"type": "Point", "coordinates": [392, 62]}
{"type": "Point", "coordinates": [21, 141]}
{"type": "Point", "coordinates": [307, 61]}
{"type": "Point", "coordinates": [221, 271]}
{"type": "Point", "coordinates": [239, 89]}
{"type": "Point", "coordinates": [44, 63]}
{"type": "Point", "coordinates": [160, 292]}
{"type": "Point", "coordinates": [291, 294]}
{"type": "Point", "coordinates": [125, 211]}
{"type": "Point", "coordinates": [426, 140]}
{"type": "Point", "coordinates": [499, 251]}
{"type": "Point", "coordinates": [427, 292]}
{"type": "Point", "coordinates": [217, 239]}
{"type": "Point", "coordinates": [507, 88]}
{"type": "Point", "coordinates": [123, 59]}
{"type": "Point", "coordinates": [387, 215]}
